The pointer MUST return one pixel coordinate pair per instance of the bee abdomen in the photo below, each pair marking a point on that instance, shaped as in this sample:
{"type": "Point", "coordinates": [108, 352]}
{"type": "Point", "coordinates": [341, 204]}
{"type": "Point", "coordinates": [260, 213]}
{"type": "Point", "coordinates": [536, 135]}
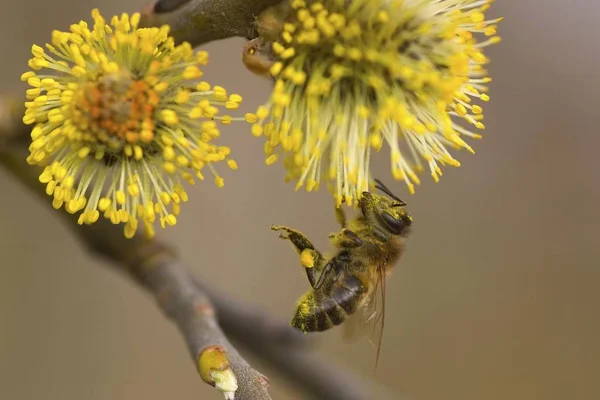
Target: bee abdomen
{"type": "Point", "coordinates": [348, 293]}
{"type": "Point", "coordinates": [310, 315]}
{"type": "Point", "coordinates": [318, 311]}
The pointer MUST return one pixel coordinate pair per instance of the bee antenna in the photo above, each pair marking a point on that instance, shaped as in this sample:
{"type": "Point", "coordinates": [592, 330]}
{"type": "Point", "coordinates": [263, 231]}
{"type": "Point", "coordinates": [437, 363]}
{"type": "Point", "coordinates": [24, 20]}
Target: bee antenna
{"type": "Point", "coordinates": [379, 185]}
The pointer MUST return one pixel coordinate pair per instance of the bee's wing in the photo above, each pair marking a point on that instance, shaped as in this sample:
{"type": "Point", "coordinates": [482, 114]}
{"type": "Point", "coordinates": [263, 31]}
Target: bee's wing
{"type": "Point", "coordinates": [377, 322]}
{"type": "Point", "coordinates": [356, 325]}
{"type": "Point", "coordinates": [369, 319]}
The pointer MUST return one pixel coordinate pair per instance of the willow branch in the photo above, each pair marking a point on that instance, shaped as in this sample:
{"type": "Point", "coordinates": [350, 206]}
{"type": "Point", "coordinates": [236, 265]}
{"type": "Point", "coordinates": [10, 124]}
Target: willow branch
{"type": "Point", "coordinates": [203, 21]}
{"type": "Point", "coordinates": [157, 269]}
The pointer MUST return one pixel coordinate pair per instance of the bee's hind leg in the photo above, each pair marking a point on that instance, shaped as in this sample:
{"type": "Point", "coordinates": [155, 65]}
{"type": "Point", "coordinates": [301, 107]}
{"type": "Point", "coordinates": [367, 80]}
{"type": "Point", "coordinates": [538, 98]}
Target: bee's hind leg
{"type": "Point", "coordinates": [310, 258]}
{"type": "Point", "coordinates": [299, 241]}
{"type": "Point", "coordinates": [340, 216]}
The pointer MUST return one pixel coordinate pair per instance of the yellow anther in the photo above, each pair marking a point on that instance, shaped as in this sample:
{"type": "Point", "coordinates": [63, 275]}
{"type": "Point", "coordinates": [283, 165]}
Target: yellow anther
{"type": "Point", "coordinates": [169, 117]}
{"type": "Point", "coordinates": [271, 159]}
{"type": "Point", "coordinates": [232, 164]}
{"type": "Point", "coordinates": [192, 72]}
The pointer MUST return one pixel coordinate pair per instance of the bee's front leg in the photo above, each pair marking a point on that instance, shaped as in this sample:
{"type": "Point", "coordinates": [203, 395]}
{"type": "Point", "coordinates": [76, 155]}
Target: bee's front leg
{"type": "Point", "coordinates": [340, 216]}
{"type": "Point", "coordinates": [310, 258]}
{"type": "Point", "coordinates": [346, 239]}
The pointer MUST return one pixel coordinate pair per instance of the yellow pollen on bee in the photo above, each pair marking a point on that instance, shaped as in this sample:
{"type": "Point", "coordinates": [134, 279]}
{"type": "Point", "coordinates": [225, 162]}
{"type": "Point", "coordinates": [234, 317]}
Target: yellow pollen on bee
{"type": "Point", "coordinates": [307, 258]}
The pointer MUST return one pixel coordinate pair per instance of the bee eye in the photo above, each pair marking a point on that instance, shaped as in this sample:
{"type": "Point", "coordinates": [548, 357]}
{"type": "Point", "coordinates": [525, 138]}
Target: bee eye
{"type": "Point", "coordinates": [395, 226]}
{"type": "Point", "coordinates": [164, 6]}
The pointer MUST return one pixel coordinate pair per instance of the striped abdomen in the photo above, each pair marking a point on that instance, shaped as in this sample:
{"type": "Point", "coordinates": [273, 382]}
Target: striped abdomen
{"type": "Point", "coordinates": [319, 310]}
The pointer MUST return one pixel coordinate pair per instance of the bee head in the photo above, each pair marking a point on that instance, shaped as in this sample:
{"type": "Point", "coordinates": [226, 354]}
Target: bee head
{"type": "Point", "coordinates": [388, 211]}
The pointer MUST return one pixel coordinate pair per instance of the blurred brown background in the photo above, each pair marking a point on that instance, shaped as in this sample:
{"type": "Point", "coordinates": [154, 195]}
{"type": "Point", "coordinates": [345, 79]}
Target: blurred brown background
{"type": "Point", "coordinates": [496, 297]}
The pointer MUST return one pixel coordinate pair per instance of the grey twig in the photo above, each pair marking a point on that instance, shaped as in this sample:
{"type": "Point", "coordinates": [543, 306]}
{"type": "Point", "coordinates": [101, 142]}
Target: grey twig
{"type": "Point", "coordinates": [203, 21]}
{"type": "Point", "coordinates": [156, 268]}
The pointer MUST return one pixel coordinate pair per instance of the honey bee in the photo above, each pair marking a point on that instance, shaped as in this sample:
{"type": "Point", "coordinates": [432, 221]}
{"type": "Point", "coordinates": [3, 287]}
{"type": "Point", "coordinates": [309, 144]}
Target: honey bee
{"type": "Point", "coordinates": [255, 61]}
{"type": "Point", "coordinates": [352, 280]}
